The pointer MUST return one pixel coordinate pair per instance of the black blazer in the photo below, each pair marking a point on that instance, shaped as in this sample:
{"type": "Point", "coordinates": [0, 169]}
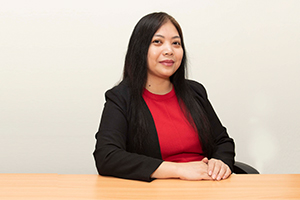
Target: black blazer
{"type": "Point", "coordinates": [115, 153]}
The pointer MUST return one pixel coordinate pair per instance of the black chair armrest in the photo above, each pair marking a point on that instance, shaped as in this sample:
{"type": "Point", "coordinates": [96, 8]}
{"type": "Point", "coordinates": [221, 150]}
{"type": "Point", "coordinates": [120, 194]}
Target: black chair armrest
{"type": "Point", "coordinates": [242, 168]}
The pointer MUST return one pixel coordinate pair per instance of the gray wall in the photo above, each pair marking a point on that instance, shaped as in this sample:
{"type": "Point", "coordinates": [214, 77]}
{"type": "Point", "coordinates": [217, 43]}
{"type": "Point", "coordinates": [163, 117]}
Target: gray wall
{"type": "Point", "coordinates": [58, 58]}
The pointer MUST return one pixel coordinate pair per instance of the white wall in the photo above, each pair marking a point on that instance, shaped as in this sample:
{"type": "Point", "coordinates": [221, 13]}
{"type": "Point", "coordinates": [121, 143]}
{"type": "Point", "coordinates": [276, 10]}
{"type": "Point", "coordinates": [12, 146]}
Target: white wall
{"type": "Point", "coordinates": [57, 58]}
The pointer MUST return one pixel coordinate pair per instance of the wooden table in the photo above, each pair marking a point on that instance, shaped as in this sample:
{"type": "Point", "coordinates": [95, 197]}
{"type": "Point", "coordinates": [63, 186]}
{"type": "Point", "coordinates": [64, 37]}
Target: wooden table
{"type": "Point", "coordinates": [72, 187]}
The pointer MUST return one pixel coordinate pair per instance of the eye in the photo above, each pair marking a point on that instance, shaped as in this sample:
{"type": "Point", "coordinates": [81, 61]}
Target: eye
{"type": "Point", "coordinates": [177, 43]}
{"type": "Point", "coordinates": [156, 41]}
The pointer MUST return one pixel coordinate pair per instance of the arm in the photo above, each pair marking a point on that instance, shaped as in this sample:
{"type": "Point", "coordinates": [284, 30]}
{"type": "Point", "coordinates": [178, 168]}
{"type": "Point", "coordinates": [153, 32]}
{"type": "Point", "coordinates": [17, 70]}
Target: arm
{"type": "Point", "coordinates": [224, 144]}
{"type": "Point", "coordinates": [111, 155]}
{"type": "Point", "coordinates": [223, 156]}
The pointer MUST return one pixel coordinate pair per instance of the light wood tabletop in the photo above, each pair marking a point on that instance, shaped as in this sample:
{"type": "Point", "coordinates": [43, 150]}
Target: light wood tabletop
{"type": "Point", "coordinates": [73, 187]}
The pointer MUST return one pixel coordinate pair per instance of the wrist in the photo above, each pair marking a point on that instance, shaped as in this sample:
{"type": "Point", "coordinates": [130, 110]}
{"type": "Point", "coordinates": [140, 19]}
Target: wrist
{"type": "Point", "coordinates": [167, 170]}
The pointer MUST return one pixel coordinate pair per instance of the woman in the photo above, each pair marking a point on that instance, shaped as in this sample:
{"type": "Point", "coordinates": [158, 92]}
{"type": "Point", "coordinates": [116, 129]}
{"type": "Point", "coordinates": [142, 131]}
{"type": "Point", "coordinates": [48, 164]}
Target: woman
{"type": "Point", "coordinates": [156, 123]}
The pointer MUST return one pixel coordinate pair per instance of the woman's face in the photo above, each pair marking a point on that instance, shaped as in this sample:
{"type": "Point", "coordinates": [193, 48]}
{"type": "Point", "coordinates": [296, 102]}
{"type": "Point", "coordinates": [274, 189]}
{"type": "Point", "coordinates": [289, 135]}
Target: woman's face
{"type": "Point", "coordinates": [165, 52]}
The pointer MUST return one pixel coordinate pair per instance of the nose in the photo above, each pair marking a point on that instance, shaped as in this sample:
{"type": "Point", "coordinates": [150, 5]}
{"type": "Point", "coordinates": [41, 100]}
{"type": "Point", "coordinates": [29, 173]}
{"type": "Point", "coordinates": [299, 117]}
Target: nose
{"type": "Point", "coordinates": [168, 51]}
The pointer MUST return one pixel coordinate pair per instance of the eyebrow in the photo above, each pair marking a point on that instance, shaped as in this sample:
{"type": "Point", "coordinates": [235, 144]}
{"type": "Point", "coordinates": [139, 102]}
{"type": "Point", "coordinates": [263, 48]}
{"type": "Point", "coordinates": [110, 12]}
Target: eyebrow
{"type": "Point", "coordinates": [157, 35]}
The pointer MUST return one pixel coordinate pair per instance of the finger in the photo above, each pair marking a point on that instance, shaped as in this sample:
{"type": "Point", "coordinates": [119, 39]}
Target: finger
{"type": "Point", "coordinates": [216, 170]}
{"type": "Point", "coordinates": [211, 166]}
{"type": "Point", "coordinates": [222, 172]}
{"type": "Point", "coordinates": [205, 160]}
{"type": "Point", "coordinates": [227, 173]}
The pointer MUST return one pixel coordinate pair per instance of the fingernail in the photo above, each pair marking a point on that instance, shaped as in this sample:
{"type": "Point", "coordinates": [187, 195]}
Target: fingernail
{"type": "Point", "coordinates": [209, 173]}
{"type": "Point", "coordinates": [219, 178]}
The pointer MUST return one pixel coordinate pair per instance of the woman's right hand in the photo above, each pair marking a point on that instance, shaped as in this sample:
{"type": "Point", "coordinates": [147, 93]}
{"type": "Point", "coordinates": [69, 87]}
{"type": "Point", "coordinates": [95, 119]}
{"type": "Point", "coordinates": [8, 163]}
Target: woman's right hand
{"type": "Point", "coordinates": [196, 170]}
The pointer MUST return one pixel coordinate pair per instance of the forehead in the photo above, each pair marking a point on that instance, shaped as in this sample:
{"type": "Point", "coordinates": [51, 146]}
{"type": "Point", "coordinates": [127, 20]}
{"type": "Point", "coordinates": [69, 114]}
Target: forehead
{"type": "Point", "coordinates": [166, 29]}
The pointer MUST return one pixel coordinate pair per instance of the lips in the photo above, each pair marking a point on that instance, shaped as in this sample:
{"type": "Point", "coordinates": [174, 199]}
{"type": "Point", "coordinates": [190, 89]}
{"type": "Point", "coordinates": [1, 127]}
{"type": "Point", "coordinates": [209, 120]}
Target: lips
{"type": "Point", "coordinates": [167, 62]}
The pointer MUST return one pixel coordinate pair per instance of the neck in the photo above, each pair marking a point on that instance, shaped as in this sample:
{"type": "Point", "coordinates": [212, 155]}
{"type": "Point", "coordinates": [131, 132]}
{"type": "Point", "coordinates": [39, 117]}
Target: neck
{"type": "Point", "coordinates": [159, 87]}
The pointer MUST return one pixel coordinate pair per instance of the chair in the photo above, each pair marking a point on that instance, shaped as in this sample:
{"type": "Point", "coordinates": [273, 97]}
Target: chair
{"type": "Point", "coordinates": [242, 168]}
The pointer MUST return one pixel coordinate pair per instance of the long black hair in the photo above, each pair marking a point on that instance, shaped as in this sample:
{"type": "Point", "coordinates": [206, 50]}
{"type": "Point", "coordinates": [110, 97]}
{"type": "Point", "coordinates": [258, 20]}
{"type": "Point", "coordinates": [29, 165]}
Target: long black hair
{"type": "Point", "coordinates": [135, 69]}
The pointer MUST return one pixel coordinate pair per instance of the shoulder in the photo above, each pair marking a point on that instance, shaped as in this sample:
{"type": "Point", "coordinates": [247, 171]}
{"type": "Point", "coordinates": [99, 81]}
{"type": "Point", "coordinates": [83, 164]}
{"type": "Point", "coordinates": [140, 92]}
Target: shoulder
{"type": "Point", "coordinates": [197, 88]}
{"type": "Point", "coordinates": [121, 88]}
{"type": "Point", "coordinates": [119, 93]}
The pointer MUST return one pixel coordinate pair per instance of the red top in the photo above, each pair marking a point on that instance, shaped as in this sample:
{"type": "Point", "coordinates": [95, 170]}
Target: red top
{"type": "Point", "coordinates": [179, 142]}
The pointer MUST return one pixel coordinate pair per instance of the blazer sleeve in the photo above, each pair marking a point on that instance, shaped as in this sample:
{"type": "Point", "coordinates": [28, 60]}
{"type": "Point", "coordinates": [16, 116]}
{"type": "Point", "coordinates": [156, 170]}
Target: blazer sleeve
{"type": "Point", "coordinates": [224, 144]}
{"type": "Point", "coordinates": [111, 155]}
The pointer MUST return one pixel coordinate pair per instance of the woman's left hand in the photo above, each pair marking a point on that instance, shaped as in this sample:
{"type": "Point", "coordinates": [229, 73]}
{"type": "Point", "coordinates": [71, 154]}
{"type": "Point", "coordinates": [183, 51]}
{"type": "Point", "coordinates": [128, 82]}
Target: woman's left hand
{"type": "Point", "coordinates": [217, 169]}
